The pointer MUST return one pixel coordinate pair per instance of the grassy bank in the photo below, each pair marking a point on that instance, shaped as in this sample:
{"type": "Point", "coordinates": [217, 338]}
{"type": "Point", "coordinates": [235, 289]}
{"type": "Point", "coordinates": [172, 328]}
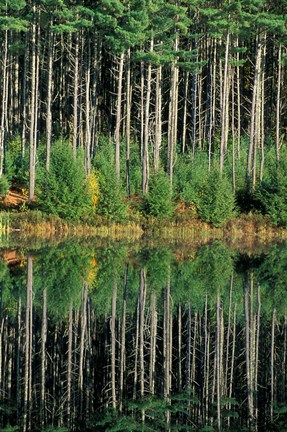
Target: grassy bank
{"type": "Point", "coordinates": [33, 223]}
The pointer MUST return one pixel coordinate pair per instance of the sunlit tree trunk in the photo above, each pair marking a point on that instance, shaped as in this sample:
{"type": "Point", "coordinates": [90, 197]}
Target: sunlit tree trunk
{"type": "Point", "coordinates": [49, 99]}
{"type": "Point", "coordinates": [76, 94]}
{"type": "Point", "coordinates": [278, 102]}
{"type": "Point", "coordinates": [145, 153]}
{"type": "Point", "coordinates": [158, 118]}
{"type": "Point", "coordinates": [224, 114]}
{"type": "Point", "coordinates": [119, 114]}
{"type": "Point", "coordinates": [34, 104]}
{"type": "Point", "coordinates": [173, 115]}
{"type": "Point", "coordinates": [88, 110]}
{"type": "Point", "coordinates": [128, 120]}
{"type": "Point", "coordinates": [4, 101]}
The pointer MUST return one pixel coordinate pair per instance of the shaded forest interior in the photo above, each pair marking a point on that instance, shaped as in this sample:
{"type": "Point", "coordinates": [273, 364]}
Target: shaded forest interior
{"type": "Point", "coordinates": [115, 341]}
{"type": "Point", "coordinates": [183, 100]}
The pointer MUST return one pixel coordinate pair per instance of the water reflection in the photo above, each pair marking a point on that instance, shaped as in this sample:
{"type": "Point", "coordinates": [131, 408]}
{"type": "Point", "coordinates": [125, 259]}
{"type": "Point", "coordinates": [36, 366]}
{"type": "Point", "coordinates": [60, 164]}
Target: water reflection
{"type": "Point", "coordinates": [102, 339]}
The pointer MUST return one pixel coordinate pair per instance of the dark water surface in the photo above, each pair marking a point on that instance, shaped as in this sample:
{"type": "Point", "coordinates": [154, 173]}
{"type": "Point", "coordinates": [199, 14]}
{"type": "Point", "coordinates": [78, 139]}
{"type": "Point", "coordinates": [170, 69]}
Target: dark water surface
{"type": "Point", "coordinates": [149, 339]}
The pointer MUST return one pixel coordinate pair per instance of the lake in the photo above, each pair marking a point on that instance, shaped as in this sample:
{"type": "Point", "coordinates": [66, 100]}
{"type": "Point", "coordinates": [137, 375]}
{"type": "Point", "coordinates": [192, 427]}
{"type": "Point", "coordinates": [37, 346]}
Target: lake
{"type": "Point", "coordinates": [112, 336]}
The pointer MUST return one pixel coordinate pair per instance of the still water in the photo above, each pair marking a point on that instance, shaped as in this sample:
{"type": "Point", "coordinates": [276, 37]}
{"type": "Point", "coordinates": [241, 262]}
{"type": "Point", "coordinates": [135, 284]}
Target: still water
{"type": "Point", "coordinates": [147, 338]}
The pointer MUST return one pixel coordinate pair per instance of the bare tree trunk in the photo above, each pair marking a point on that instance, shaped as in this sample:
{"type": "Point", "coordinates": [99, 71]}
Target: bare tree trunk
{"type": "Point", "coordinates": [76, 95]}
{"type": "Point", "coordinates": [88, 111]}
{"type": "Point", "coordinates": [278, 103]}
{"type": "Point", "coordinates": [145, 153]}
{"type": "Point", "coordinates": [34, 97]}
{"type": "Point", "coordinates": [49, 99]}
{"type": "Point", "coordinates": [128, 120]}
{"type": "Point", "coordinates": [158, 117]}
{"type": "Point", "coordinates": [4, 101]}
{"type": "Point", "coordinates": [233, 135]}
{"type": "Point", "coordinates": [119, 114]}
{"type": "Point", "coordinates": [257, 74]}
{"type": "Point", "coordinates": [24, 100]}
{"type": "Point", "coordinates": [261, 127]}
{"type": "Point", "coordinates": [238, 88]}
{"type": "Point", "coordinates": [224, 114]}
{"type": "Point", "coordinates": [172, 116]}
{"type": "Point", "coordinates": [212, 107]}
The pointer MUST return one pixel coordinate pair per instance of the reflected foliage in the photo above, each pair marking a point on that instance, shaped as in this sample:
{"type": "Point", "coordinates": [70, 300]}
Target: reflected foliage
{"type": "Point", "coordinates": [102, 338]}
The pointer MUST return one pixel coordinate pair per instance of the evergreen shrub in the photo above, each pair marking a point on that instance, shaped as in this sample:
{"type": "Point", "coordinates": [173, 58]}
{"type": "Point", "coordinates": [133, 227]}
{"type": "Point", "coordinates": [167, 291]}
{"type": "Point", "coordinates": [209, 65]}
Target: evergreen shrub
{"type": "Point", "coordinates": [189, 177]}
{"type": "Point", "coordinates": [4, 186]}
{"type": "Point", "coordinates": [272, 194]}
{"type": "Point", "coordinates": [217, 200]}
{"type": "Point", "coordinates": [111, 202]}
{"type": "Point", "coordinates": [158, 200]}
{"type": "Point", "coordinates": [63, 190]}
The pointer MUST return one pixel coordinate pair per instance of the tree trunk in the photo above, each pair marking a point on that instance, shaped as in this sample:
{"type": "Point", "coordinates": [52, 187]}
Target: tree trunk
{"type": "Point", "coordinates": [145, 154]}
{"type": "Point", "coordinates": [88, 111]}
{"type": "Point", "coordinates": [76, 95]}
{"type": "Point", "coordinates": [278, 103]}
{"type": "Point", "coordinates": [128, 121]}
{"type": "Point", "coordinates": [117, 136]}
{"type": "Point", "coordinates": [33, 106]}
{"type": "Point", "coordinates": [224, 114]}
{"type": "Point", "coordinates": [158, 118]}
{"type": "Point", "coordinates": [252, 139]}
{"type": "Point", "coordinates": [172, 116]}
{"type": "Point", "coordinates": [4, 101]}
{"type": "Point", "coordinates": [49, 98]}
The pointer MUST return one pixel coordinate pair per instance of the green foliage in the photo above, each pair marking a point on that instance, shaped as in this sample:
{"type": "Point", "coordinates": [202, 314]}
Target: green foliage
{"type": "Point", "coordinates": [217, 201]}
{"type": "Point", "coordinates": [63, 190]}
{"type": "Point", "coordinates": [189, 176]}
{"type": "Point", "coordinates": [111, 199]}
{"type": "Point", "coordinates": [111, 202]}
{"type": "Point", "coordinates": [272, 193]}
{"type": "Point", "coordinates": [16, 165]}
{"type": "Point", "coordinates": [158, 200]}
{"type": "Point", "coordinates": [4, 186]}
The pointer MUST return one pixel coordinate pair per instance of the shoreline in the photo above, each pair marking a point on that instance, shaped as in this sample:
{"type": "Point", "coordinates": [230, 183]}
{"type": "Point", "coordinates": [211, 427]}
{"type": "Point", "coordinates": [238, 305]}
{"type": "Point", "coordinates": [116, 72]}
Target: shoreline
{"type": "Point", "coordinates": [39, 225]}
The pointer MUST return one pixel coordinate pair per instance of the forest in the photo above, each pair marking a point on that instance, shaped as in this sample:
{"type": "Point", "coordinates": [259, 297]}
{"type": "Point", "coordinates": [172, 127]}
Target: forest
{"type": "Point", "coordinates": [125, 109]}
